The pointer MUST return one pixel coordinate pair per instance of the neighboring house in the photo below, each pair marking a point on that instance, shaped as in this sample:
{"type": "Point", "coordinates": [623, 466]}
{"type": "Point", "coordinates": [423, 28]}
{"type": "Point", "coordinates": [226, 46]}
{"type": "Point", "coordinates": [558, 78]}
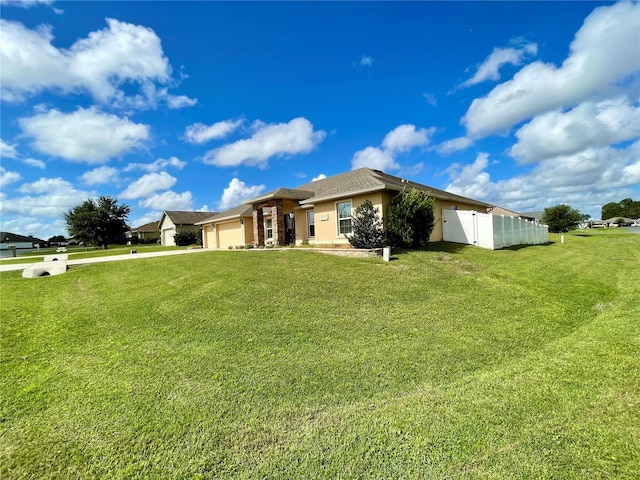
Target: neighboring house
{"type": "Point", "coordinates": [147, 233]}
{"type": "Point", "coordinates": [19, 241]}
{"type": "Point", "coordinates": [613, 222]}
{"type": "Point", "coordinates": [319, 212]}
{"type": "Point", "coordinates": [174, 221]}
{"type": "Point", "coordinates": [531, 216]}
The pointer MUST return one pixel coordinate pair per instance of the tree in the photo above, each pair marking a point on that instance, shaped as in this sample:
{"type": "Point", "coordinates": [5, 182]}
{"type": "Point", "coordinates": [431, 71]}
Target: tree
{"type": "Point", "coordinates": [367, 227]}
{"type": "Point", "coordinates": [625, 208]}
{"type": "Point", "coordinates": [411, 219]}
{"type": "Point", "coordinates": [57, 239]}
{"type": "Point", "coordinates": [561, 218]}
{"type": "Point", "coordinates": [98, 222]}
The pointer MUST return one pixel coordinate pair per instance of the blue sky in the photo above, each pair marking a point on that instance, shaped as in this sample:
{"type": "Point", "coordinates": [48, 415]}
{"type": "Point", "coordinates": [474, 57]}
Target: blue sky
{"type": "Point", "coordinates": [202, 105]}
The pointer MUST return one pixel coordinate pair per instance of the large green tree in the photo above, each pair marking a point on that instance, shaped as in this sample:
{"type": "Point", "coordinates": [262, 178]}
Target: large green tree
{"type": "Point", "coordinates": [411, 219]}
{"type": "Point", "coordinates": [367, 227]}
{"type": "Point", "coordinates": [625, 208]}
{"type": "Point", "coordinates": [98, 222]}
{"type": "Point", "coordinates": [561, 218]}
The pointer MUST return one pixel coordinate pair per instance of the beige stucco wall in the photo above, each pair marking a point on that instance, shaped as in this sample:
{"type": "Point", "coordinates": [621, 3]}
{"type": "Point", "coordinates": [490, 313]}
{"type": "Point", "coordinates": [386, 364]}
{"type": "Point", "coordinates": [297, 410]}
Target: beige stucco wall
{"type": "Point", "coordinates": [326, 216]}
{"type": "Point", "coordinates": [229, 234]}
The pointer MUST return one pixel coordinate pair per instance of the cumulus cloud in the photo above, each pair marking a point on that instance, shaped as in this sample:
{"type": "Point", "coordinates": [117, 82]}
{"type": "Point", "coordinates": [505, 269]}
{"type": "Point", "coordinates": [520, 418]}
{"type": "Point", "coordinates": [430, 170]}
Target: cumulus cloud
{"type": "Point", "coordinates": [405, 137]}
{"type": "Point", "coordinates": [490, 68]}
{"type": "Point", "coordinates": [169, 200]}
{"type": "Point", "coordinates": [605, 53]}
{"type": "Point", "coordinates": [319, 177]}
{"type": "Point", "coordinates": [6, 150]}
{"type": "Point", "coordinates": [85, 135]}
{"type": "Point", "coordinates": [373, 157]}
{"type": "Point", "coordinates": [100, 176]}
{"type": "Point", "coordinates": [198, 133]}
{"type": "Point", "coordinates": [149, 184]}
{"type": "Point", "coordinates": [238, 192]}
{"type": "Point", "coordinates": [590, 124]}
{"type": "Point", "coordinates": [33, 162]}
{"type": "Point", "coordinates": [158, 165]}
{"type": "Point", "coordinates": [586, 180]}
{"type": "Point", "coordinates": [454, 145]}
{"type": "Point", "coordinates": [366, 61]}
{"type": "Point", "coordinates": [47, 197]}
{"type": "Point", "coordinates": [272, 140]}
{"type": "Point", "coordinates": [99, 64]}
{"type": "Point", "coordinates": [401, 139]}
{"type": "Point", "coordinates": [7, 177]}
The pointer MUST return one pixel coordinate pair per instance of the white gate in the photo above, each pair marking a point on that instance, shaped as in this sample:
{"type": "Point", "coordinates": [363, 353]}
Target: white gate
{"type": "Point", "coordinates": [490, 231]}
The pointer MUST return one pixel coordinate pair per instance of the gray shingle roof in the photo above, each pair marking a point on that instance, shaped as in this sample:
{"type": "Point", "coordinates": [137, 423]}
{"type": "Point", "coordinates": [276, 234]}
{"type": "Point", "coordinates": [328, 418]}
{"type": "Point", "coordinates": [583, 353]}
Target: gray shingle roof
{"type": "Point", "coordinates": [365, 180]}
{"type": "Point", "coordinates": [148, 227]}
{"type": "Point", "coordinates": [235, 212]}
{"type": "Point", "coordinates": [179, 217]}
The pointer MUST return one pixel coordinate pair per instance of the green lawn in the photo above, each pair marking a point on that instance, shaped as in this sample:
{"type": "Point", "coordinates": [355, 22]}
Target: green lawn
{"type": "Point", "coordinates": [453, 362]}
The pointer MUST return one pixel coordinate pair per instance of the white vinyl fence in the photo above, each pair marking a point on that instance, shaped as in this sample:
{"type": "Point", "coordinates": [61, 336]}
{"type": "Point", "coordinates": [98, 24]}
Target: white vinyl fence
{"type": "Point", "coordinates": [490, 231]}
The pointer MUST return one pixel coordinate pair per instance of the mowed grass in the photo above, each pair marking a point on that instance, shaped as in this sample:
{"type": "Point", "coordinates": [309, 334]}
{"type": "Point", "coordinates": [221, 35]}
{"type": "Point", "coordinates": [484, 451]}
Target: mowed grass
{"type": "Point", "coordinates": [76, 253]}
{"type": "Point", "coordinates": [452, 362]}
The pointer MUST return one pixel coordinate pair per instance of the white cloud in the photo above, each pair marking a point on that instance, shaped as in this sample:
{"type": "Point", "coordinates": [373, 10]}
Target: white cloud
{"type": "Point", "coordinates": [176, 102]}
{"type": "Point", "coordinates": [7, 177]}
{"type": "Point", "coordinates": [430, 99]}
{"type": "Point", "coordinates": [405, 137]}
{"type": "Point", "coordinates": [47, 197]}
{"type": "Point", "coordinates": [199, 133]}
{"type": "Point", "coordinates": [319, 177]}
{"type": "Point", "coordinates": [490, 68]}
{"type": "Point", "coordinates": [158, 165]}
{"type": "Point", "coordinates": [24, 3]}
{"type": "Point", "coordinates": [586, 180]}
{"type": "Point", "coordinates": [375, 158]}
{"type": "Point", "coordinates": [237, 192]}
{"type": "Point", "coordinates": [470, 180]}
{"type": "Point", "coordinates": [169, 200]}
{"type": "Point", "coordinates": [152, 216]}
{"type": "Point", "coordinates": [85, 135]}
{"type": "Point", "coordinates": [99, 64]}
{"type": "Point", "coordinates": [271, 140]}
{"type": "Point", "coordinates": [100, 175]}
{"type": "Point", "coordinates": [454, 145]}
{"type": "Point", "coordinates": [401, 139]}
{"type": "Point", "coordinates": [604, 54]}
{"type": "Point", "coordinates": [6, 150]}
{"type": "Point", "coordinates": [33, 162]}
{"type": "Point", "coordinates": [366, 61]}
{"type": "Point", "coordinates": [149, 184]}
{"type": "Point", "coordinates": [590, 124]}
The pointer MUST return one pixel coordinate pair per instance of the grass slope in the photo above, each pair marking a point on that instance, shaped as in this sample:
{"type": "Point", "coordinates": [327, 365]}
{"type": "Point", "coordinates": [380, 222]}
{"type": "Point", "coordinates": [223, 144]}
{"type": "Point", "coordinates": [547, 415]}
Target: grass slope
{"type": "Point", "coordinates": [454, 362]}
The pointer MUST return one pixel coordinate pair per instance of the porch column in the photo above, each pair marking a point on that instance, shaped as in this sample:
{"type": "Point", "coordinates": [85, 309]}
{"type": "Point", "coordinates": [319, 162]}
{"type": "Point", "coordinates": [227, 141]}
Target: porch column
{"type": "Point", "coordinates": [277, 217]}
{"type": "Point", "coordinates": [258, 226]}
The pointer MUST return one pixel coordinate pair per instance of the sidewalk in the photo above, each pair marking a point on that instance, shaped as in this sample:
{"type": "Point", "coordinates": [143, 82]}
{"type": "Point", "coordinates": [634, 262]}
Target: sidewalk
{"type": "Point", "coordinates": [111, 258]}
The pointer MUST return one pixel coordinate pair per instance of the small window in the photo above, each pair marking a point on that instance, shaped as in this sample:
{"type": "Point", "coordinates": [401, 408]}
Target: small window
{"type": "Point", "coordinates": [312, 224]}
{"type": "Point", "coordinates": [268, 226]}
{"type": "Point", "coordinates": [344, 218]}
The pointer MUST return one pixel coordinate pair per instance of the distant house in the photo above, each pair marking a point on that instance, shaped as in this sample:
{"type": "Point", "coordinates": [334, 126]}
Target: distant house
{"type": "Point", "coordinates": [147, 233]}
{"type": "Point", "coordinates": [174, 221]}
{"type": "Point", "coordinates": [19, 241]}
{"type": "Point", "coordinates": [319, 212]}
{"type": "Point", "coordinates": [535, 216]}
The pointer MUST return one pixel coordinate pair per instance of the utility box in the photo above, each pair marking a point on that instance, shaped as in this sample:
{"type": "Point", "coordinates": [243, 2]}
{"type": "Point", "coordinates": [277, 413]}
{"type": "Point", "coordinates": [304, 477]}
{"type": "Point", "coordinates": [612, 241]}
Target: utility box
{"type": "Point", "coordinates": [386, 254]}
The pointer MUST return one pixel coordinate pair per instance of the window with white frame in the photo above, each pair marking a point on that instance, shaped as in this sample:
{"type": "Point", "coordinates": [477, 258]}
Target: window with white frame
{"type": "Point", "coordinates": [312, 224]}
{"type": "Point", "coordinates": [268, 228]}
{"type": "Point", "coordinates": [344, 218]}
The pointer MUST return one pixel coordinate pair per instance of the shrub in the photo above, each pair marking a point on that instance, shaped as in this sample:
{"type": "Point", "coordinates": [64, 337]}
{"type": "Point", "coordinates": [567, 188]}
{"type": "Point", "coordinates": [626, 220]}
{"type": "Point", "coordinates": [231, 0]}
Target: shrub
{"type": "Point", "coordinates": [186, 238]}
{"type": "Point", "coordinates": [411, 219]}
{"type": "Point", "coordinates": [367, 227]}
{"type": "Point", "coordinates": [561, 218]}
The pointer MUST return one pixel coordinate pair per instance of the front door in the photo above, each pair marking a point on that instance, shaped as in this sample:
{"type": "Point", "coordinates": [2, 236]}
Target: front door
{"type": "Point", "coordinates": [289, 229]}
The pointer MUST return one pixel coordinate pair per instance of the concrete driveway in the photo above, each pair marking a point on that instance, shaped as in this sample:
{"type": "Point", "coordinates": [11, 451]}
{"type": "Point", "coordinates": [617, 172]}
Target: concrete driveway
{"type": "Point", "coordinates": [111, 258]}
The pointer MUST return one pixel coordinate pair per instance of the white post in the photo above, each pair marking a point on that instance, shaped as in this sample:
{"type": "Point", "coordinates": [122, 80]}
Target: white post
{"type": "Point", "coordinates": [561, 238]}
